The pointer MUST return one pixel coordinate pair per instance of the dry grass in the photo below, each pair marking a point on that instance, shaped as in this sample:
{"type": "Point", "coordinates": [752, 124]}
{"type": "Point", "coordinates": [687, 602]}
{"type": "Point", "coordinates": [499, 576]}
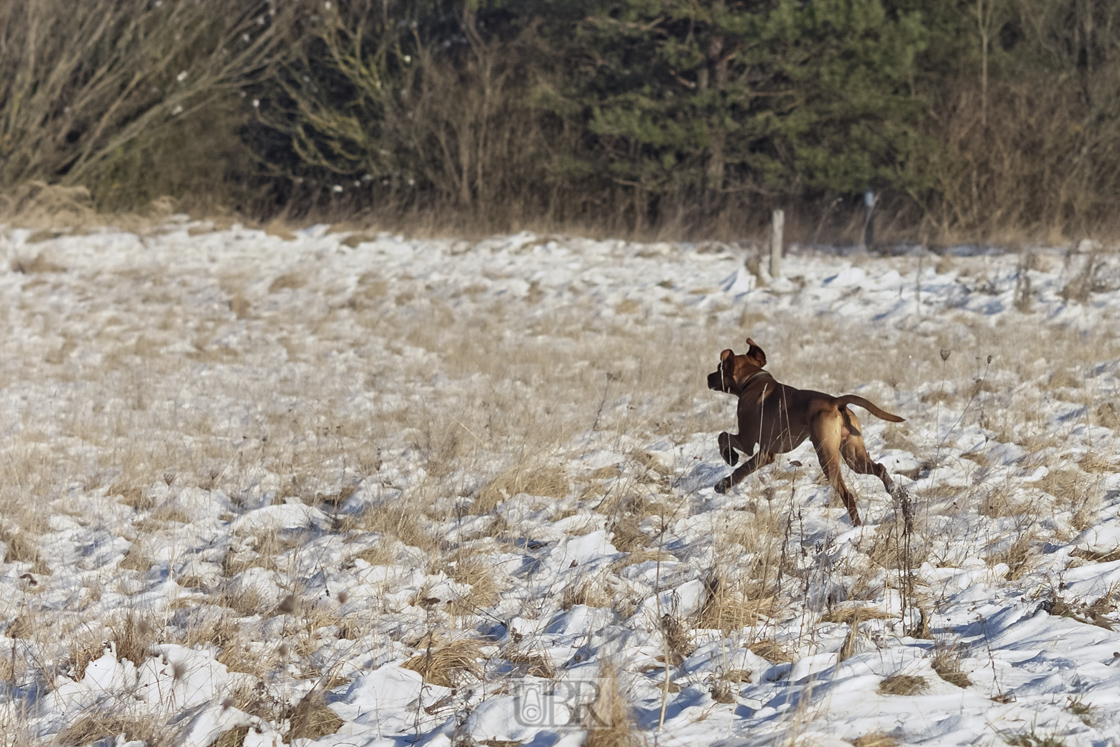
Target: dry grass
{"type": "Point", "coordinates": [1067, 485]}
{"type": "Point", "coordinates": [533, 664]}
{"type": "Point", "coordinates": [589, 591]}
{"type": "Point", "coordinates": [609, 722]}
{"type": "Point", "coordinates": [627, 536]}
{"type": "Point", "coordinates": [404, 522]}
{"type": "Point", "coordinates": [220, 629]}
{"type": "Point", "coordinates": [874, 739]}
{"type": "Point", "coordinates": [772, 651]}
{"type": "Point", "coordinates": [479, 574]}
{"type": "Point", "coordinates": [290, 281]}
{"type": "Point", "coordinates": [135, 560]}
{"type": "Point", "coordinates": [96, 726]}
{"type": "Point", "coordinates": [947, 663]}
{"type": "Point", "coordinates": [312, 718]}
{"type": "Point", "coordinates": [1090, 614]}
{"type": "Point", "coordinates": [447, 663]}
{"type": "Point", "coordinates": [1018, 556]}
{"type": "Point", "coordinates": [82, 648]}
{"type": "Point", "coordinates": [234, 737]}
{"type": "Point", "coordinates": [894, 549]}
{"type": "Point", "coordinates": [134, 636]}
{"type": "Point", "coordinates": [903, 684]}
{"type": "Point", "coordinates": [1000, 503]}
{"type": "Point", "coordinates": [1032, 739]}
{"type": "Point", "coordinates": [22, 548]}
{"type": "Point", "coordinates": [853, 614]}
{"type": "Point", "coordinates": [36, 204]}
{"type": "Point", "coordinates": [677, 640]}
{"type": "Point", "coordinates": [733, 604]}
{"type": "Point", "coordinates": [379, 429]}
{"type": "Point", "coordinates": [1094, 556]}
{"type": "Point", "coordinates": [1082, 709]}
{"type": "Point", "coordinates": [529, 477]}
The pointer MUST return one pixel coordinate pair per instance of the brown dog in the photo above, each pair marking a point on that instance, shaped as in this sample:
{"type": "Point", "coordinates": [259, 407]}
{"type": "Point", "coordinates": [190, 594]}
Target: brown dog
{"type": "Point", "coordinates": [778, 418]}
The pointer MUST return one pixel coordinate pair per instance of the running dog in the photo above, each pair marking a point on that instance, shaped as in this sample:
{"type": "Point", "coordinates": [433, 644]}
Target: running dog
{"type": "Point", "coordinates": [777, 418]}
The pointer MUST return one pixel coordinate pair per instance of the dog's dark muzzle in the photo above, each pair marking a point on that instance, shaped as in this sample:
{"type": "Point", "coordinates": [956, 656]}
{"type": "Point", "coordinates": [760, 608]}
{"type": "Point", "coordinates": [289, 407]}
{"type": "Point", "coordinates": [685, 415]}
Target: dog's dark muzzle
{"type": "Point", "coordinates": [716, 381]}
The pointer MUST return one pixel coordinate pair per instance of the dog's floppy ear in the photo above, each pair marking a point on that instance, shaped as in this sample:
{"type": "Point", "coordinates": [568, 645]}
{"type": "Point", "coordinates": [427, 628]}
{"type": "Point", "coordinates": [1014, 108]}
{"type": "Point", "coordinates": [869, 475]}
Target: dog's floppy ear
{"type": "Point", "coordinates": [756, 354]}
{"type": "Point", "coordinates": [726, 354]}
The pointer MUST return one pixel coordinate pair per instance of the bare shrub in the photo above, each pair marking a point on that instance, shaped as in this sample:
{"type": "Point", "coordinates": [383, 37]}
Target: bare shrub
{"type": "Point", "coordinates": [79, 83]}
{"type": "Point", "coordinates": [447, 121]}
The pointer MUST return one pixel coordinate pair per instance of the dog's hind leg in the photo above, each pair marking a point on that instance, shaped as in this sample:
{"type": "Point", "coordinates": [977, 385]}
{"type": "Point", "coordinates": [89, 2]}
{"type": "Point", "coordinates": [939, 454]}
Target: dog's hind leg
{"type": "Point", "coordinates": [855, 454]}
{"type": "Point", "coordinates": [828, 454]}
{"type": "Point", "coordinates": [760, 459]}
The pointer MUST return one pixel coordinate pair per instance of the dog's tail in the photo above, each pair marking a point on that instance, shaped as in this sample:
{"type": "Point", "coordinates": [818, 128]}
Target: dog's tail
{"type": "Point", "coordinates": [871, 407]}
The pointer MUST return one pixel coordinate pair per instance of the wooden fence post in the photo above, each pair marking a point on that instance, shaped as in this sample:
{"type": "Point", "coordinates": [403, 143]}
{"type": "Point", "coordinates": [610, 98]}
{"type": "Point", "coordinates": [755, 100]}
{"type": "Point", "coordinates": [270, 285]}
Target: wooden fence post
{"type": "Point", "coordinates": [777, 226]}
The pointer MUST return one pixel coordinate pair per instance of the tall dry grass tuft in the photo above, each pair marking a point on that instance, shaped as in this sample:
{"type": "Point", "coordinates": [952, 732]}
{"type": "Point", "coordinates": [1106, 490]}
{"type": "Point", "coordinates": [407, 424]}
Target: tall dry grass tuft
{"type": "Point", "coordinates": [447, 663]}
{"type": "Point", "coordinates": [732, 604]}
{"type": "Point", "coordinates": [134, 636]}
{"type": "Point", "coordinates": [529, 476]}
{"type": "Point", "coordinates": [312, 718]}
{"type": "Point", "coordinates": [1018, 555]}
{"type": "Point", "coordinates": [479, 574]}
{"type": "Point", "coordinates": [96, 726]}
{"type": "Point", "coordinates": [402, 520]}
{"type": "Point", "coordinates": [947, 655]}
{"type": "Point", "coordinates": [22, 548]}
{"type": "Point", "coordinates": [609, 721]}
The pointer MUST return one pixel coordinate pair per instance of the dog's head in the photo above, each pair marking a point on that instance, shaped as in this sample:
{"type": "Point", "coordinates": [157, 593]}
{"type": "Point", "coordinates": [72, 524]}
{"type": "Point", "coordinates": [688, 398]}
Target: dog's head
{"type": "Point", "coordinates": [735, 370]}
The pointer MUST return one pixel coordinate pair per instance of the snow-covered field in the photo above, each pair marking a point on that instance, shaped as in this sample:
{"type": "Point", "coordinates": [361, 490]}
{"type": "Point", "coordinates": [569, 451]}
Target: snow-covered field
{"type": "Point", "coordinates": [362, 490]}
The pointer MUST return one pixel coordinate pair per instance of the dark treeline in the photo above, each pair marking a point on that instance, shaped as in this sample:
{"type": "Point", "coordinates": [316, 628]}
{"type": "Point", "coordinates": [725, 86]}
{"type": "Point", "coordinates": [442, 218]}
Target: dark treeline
{"type": "Point", "coordinates": [971, 119]}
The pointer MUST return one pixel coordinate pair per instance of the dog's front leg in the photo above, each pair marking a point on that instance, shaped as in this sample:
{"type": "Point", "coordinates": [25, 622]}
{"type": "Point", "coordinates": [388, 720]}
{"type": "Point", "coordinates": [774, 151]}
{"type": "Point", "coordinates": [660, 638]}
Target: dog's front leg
{"type": "Point", "coordinates": [726, 451]}
{"type": "Point", "coordinates": [729, 444]}
{"type": "Point", "coordinates": [760, 459]}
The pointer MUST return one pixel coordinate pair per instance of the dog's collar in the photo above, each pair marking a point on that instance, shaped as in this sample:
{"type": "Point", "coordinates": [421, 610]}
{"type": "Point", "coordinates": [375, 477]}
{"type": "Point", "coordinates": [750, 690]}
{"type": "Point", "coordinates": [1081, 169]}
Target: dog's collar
{"type": "Point", "coordinates": [754, 376]}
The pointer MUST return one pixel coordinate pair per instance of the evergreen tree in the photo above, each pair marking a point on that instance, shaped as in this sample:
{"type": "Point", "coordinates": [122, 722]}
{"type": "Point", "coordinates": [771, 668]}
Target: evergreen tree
{"type": "Point", "coordinates": [742, 95]}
